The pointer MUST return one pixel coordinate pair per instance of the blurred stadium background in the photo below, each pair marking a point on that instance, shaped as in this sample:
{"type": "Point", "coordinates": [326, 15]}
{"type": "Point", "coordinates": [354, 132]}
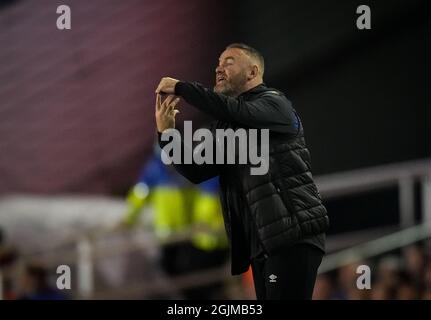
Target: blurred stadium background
{"type": "Point", "coordinates": [77, 185]}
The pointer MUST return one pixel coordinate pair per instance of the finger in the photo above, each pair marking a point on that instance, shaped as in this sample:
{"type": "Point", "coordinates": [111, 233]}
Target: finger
{"type": "Point", "coordinates": [175, 102]}
{"type": "Point", "coordinates": [169, 109]}
{"type": "Point", "coordinates": [159, 86]}
{"type": "Point", "coordinates": [173, 105]}
{"type": "Point", "coordinates": [164, 106]}
{"type": "Point", "coordinates": [158, 102]}
{"type": "Point", "coordinates": [173, 113]}
{"type": "Point", "coordinates": [167, 101]}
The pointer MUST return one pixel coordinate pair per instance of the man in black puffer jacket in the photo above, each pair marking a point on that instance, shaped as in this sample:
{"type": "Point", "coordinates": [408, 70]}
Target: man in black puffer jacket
{"type": "Point", "coordinates": [276, 221]}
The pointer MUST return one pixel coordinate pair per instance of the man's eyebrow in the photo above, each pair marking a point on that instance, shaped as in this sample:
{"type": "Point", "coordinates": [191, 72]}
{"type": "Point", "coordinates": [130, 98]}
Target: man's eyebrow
{"type": "Point", "coordinates": [227, 58]}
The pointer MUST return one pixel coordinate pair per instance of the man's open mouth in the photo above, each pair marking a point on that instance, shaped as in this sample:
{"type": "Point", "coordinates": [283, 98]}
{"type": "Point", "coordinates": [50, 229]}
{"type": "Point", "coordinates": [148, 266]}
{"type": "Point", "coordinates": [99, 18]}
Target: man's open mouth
{"type": "Point", "coordinates": [220, 79]}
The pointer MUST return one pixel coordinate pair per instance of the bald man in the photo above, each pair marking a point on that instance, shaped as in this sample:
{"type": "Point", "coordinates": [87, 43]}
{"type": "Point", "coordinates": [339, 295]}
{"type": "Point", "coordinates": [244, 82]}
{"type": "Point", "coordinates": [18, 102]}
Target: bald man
{"type": "Point", "coordinates": [275, 222]}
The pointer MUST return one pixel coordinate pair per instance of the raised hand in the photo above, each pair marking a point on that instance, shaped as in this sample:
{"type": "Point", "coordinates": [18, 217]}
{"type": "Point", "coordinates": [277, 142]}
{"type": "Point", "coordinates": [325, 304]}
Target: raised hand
{"type": "Point", "coordinates": [165, 112]}
{"type": "Point", "coordinates": [167, 85]}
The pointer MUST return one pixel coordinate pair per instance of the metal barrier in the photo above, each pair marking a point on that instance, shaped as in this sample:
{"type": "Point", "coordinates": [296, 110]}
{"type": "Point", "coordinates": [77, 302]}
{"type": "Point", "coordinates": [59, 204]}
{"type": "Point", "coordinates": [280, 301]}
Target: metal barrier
{"type": "Point", "coordinates": [402, 175]}
{"type": "Point", "coordinates": [85, 257]}
{"type": "Point", "coordinates": [376, 247]}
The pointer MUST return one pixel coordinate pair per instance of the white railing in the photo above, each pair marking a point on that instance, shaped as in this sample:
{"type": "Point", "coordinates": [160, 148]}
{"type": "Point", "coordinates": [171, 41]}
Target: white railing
{"type": "Point", "coordinates": [402, 175]}
{"type": "Point", "coordinates": [375, 247]}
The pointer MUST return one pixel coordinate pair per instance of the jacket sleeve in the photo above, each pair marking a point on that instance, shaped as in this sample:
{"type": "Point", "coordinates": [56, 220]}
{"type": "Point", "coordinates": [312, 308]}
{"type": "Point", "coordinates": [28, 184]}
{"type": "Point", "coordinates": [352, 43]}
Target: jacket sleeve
{"type": "Point", "coordinates": [271, 111]}
{"type": "Point", "coordinates": [195, 173]}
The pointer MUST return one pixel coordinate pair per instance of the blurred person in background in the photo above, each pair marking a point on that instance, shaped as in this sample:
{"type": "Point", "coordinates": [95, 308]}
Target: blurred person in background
{"type": "Point", "coordinates": [380, 291]}
{"type": "Point", "coordinates": [209, 247]}
{"type": "Point", "coordinates": [407, 288]}
{"type": "Point", "coordinates": [427, 249]}
{"type": "Point", "coordinates": [394, 278]}
{"type": "Point", "coordinates": [179, 207]}
{"type": "Point", "coordinates": [276, 222]}
{"type": "Point", "coordinates": [414, 258]}
{"type": "Point", "coordinates": [34, 284]}
{"type": "Point", "coordinates": [167, 194]}
{"type": "Point", "coordinates": [8, 259]}
{"type": "Point", "coordinates": [247, 285]}
{"type": "Point", "coordinates": [388, 276]}
{"type": "Point", "coordinates": [346, 283]}
{"type": "Point", "coordinates": [324, 288]}
{"type": "Point", "coordinates": [427, 281]}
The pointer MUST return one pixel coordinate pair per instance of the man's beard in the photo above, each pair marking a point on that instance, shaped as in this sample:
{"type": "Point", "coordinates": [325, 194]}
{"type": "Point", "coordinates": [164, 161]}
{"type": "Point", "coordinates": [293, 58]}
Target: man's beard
{"type": "Point", "coordinates": [234, 86]}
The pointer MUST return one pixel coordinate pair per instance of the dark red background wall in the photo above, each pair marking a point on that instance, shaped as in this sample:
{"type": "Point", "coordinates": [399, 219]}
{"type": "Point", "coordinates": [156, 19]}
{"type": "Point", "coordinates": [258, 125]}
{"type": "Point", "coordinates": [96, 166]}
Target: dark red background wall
{"type": "Point", "coordinates": [76, 106]}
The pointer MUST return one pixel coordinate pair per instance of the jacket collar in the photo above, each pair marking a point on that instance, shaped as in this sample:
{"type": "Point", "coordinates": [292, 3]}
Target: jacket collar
{"type": "Point", "coordinates": [256, 90]}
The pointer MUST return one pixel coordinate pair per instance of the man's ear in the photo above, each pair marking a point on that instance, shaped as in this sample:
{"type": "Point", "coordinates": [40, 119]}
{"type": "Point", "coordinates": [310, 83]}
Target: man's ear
{"type": "Point", "coordinates": [253, 72]}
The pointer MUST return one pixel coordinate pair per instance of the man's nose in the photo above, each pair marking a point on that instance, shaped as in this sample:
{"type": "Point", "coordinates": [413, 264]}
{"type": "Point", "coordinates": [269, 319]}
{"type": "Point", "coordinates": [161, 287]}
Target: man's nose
{"type": "Point", "coordinates": [219, 69]}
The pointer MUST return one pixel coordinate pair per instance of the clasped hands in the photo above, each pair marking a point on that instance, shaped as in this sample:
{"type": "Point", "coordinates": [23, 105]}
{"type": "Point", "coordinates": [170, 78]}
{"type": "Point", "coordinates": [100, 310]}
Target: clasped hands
{"type": "Point", "coordinates": [165, 111]}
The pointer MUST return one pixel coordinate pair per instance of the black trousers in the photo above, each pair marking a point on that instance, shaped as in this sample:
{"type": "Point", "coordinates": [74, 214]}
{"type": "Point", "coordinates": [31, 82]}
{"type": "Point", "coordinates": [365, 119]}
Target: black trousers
{"type": "Point", "coordinates": [290, 274]}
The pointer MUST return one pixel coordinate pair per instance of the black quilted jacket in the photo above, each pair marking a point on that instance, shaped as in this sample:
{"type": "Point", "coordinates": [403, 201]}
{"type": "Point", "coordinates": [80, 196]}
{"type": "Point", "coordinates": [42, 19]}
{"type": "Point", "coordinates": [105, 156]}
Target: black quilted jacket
{"type": "Point", "coordinates": [284, 205]}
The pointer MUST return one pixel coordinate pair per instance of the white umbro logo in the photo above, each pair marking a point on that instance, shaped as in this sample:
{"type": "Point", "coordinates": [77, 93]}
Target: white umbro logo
{"type": "Point", "coordinates": [272, 278]}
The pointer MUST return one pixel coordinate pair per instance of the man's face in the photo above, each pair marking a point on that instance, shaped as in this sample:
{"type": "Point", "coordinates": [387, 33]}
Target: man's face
{"type": "Point", "coordinates": [231, 72]}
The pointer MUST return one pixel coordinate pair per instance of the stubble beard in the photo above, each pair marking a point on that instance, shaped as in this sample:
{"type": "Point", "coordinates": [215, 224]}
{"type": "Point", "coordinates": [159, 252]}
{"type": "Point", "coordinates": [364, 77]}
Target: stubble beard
{"type": "Point", "coordinates": [233, 87]}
